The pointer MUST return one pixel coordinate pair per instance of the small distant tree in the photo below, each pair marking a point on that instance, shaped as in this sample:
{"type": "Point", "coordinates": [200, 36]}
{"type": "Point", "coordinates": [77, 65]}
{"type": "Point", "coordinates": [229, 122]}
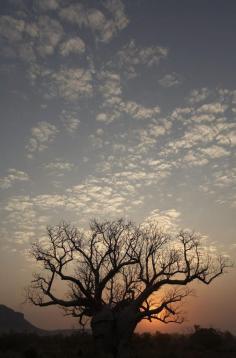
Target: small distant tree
{"type": "Point", "coordinates": [118, 274]}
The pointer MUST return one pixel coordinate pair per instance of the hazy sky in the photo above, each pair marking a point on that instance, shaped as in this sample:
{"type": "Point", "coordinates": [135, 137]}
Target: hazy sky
{"type": "Point", "coordinates": [110, 109]}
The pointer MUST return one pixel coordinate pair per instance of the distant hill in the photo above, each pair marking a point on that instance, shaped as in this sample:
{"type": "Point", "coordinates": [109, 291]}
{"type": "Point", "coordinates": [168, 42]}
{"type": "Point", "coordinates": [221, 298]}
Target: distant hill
{"type": "Point", "coordinates": [12, 321]}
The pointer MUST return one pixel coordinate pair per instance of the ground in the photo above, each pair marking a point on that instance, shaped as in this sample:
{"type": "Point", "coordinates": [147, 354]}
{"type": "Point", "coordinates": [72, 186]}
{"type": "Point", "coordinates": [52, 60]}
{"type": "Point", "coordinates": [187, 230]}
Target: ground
{"type": "Point", "coordinates": [202, 343]}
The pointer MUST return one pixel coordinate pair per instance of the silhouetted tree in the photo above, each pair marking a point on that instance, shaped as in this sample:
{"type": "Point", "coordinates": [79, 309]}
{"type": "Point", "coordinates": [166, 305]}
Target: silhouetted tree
{"type": "Point", "coordinates": [118, 274]}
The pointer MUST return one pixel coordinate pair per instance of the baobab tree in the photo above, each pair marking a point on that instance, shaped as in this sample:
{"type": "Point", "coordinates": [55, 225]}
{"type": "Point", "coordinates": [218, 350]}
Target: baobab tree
{"type": "Point", "coordinates": [118, 274]}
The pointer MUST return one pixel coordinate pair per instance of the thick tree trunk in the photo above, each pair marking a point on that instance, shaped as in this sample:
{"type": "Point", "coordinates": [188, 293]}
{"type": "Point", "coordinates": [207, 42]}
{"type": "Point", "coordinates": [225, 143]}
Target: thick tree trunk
{"type": "Point", "coordinates": [112, 331]}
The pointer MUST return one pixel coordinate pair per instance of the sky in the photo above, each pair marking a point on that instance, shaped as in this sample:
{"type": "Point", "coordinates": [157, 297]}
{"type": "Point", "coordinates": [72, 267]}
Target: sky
{"type": "Point", "coordinates": [117, 109]}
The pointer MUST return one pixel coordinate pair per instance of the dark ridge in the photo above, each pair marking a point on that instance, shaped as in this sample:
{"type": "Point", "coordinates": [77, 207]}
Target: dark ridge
{"type": "Point", "coordinates": [12, 321]}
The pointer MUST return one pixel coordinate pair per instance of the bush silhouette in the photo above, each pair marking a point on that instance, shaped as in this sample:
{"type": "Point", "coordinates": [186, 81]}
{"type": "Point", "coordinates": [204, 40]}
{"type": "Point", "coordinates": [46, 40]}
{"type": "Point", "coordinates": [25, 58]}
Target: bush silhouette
{"type": "Point", "coordinates": [159, 345]}
{"type": "Point", "coordinates": [207, 338]}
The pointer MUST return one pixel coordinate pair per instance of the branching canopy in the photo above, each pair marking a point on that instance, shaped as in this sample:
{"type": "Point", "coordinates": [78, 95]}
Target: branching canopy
{"type": "Point", "coordinates": [117, 264]}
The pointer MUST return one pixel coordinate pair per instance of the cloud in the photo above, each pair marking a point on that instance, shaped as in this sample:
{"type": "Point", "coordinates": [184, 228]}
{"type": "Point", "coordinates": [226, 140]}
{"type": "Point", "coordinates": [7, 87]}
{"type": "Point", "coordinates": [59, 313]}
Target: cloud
{"type": "Point", "coordinates": [139, 176]}
{"type": "Point", "coordinates": [74, 13]}
{"type": "Point", "coordinates": [71, 84]}
{"type": "Point", "coordinates": [32, 30]}
{"type": "Point", "coordinates": [106, 28]}
{"type": "Point", "coordinates": [110, 87]}
{"type": "Point", "coordinates": [225, 178]}
{"type": "Point", "coordinates": [20, 215]}
{"type": "Point", "coordinates": [59, 166]}
{"type": "Point", "coordinates": [180, 113]}
{"type": "Point", "coordinates": [203, 117]}
{"type": "Point", "coordinates": [199, 95]}
{"type": "Point", "coordinates": [117, 9]}
{"type": "Point", "coordinates": [49, 35]}
{"type": "Point", "coordinates": [72, 46]}
{"type": "Point", "coordinates": [25, 38]}
{"type": "Point", "coordinates": [41, 135]}
{"type": "Point", "coordinates": [14, 44]}
{"type": "Point", "coordinates": [102, 27]}
{"type": "Point", "coordinates": [97, 139]}
{"type": "Point", "coordinates": [194, 159]}
{"type": "Point", "coordinates": [11, 29]}
{"type": "Point", "coordinates": [132, 56]}
{"type": "Point", "coordinates": [102, 117]}
{"type": "Point", "coordinates": [215, 151]}
{"type": "Point", "coordinates": [20, 202]}
{"type": "Point", "coordinates": [110, 90]}
{"type": "Point", "coordinates": [114, 105]}
{"type": "Point", "coordinates": [233, 95]}
{"type": "Point", "coordinates": [47, 4]}
{"type": "Point", "coordinates": [145, 149]}
{"type": "Point", "coordinates": [26, 52]}
{"type": "Point", "coordinates": [96, 21]}
{"type": "Point", "coordinates": [49, 201]}
{"type": "Point", "coordinates": [170, 80]}
{"type": "Point", "coordinates": [23, 221]}
{"type": "Point", "coordinates": [220, 183]}
{"type": "Point", "coordinates": [232, 137]}
{"type": "Point", "coordinates": [100, 197]}
{"type": "Point", "coordinates": [167, 220]}
{"type": "Point", "coordinates": [196, 135]}
{"type": "Point", "coordinates": [138, 111]}
{"type": "Point", "coordinates": [147, 136]}
{"type": "Point", "coordinates": [187, 139]}
{"type": "Point", "coordinates": [212, 108]}
{"type": "Point", "coordinates": [70, 121]}
{"type": "Point", "coordinates": [204, 124]}
{"type": "Point", "coordinates": [159, 127]}
{"type": "Point", "coordinates": [128, 165]}
{"type": "Point", "coordinates": [96, 197]}
{"type": "Point", "coordinates": [13, 176]}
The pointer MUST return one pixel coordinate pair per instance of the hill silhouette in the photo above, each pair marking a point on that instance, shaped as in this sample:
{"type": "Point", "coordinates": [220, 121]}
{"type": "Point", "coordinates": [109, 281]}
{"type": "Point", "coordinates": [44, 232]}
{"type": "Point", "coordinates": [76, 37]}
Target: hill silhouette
{"type": "Point", "coordinates": [15, 322]}
{"type": "Point", "coordinates": [12, 321]}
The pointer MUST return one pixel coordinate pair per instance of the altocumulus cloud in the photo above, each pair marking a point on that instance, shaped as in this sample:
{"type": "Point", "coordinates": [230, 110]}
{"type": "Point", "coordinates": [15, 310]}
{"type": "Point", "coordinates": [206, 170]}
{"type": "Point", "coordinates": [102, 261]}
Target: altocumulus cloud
{"type": "Point", "coordinates": [167, 220]}
{"type": "Point", "coordinates": [170, 80]}
{"type": "Point", "coordinates": [70, 120]}
{"type": "Point", "coordinates": [41, 136]}
{"type": "Point", "coordinates": [71, 84]}
{"type": "Point", "coordinates": [13, 176]}
{"type": "Point", "coordinates": [133, 147]}
{"type": "Point", "coordinates": [59, 167]}
{"type": "Point", "coordinates": [72, 46]}
{"type": "Point", "coordinates": [103, 28]}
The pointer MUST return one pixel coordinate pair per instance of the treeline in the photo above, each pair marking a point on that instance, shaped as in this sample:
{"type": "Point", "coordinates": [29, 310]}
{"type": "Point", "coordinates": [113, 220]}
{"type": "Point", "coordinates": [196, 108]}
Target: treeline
{"type": "Point", "coordinates": [202, 343]}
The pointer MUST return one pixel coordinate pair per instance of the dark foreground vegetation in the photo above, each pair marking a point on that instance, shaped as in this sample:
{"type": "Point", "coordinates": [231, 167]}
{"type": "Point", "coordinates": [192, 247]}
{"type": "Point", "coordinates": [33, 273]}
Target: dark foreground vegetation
{"type": "Point", "coordinates": [200, 344]}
